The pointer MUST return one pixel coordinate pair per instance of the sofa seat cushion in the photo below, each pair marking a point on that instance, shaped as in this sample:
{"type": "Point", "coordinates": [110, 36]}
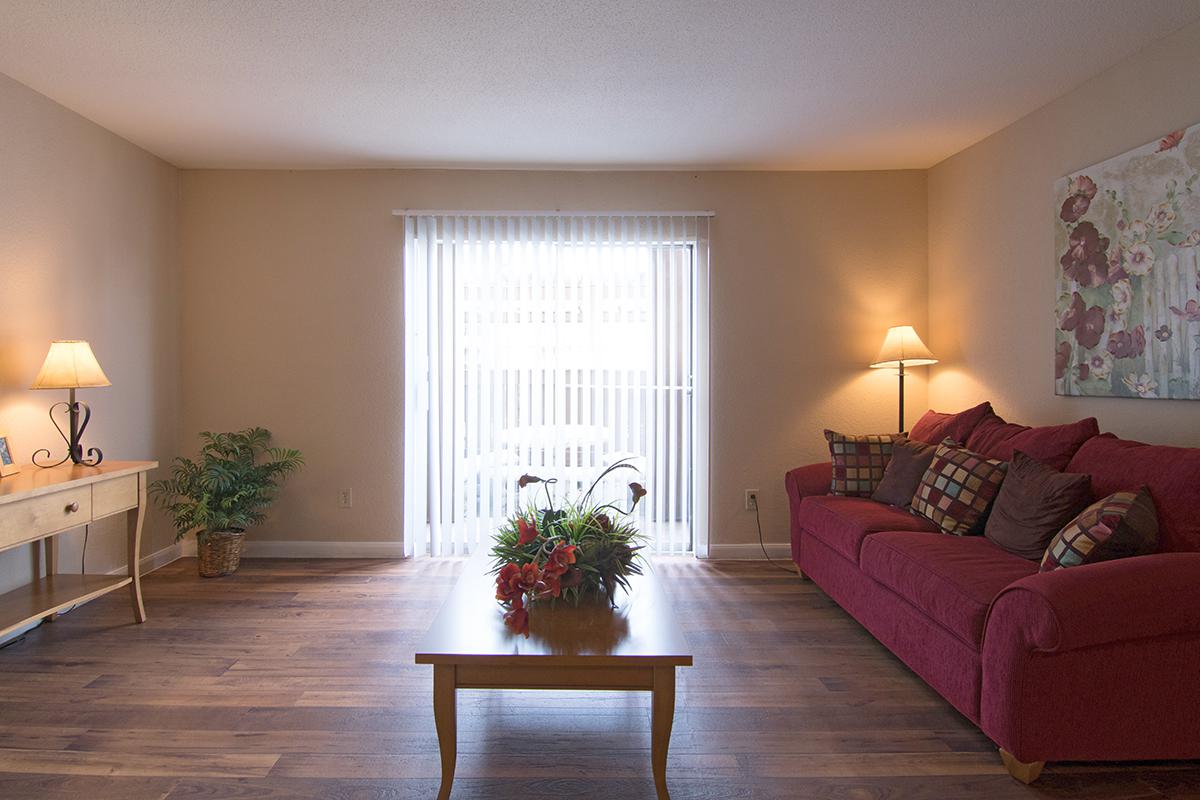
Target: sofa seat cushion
{"type": "Point", "coordinates": [842, 523]}
{"type": "Point", "coordinates": [952, 579]}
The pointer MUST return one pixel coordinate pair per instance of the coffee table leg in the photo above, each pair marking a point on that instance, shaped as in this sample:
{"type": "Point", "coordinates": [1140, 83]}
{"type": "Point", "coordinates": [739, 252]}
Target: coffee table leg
{"type": "Point", "coordinates": [662, 715]}
{"type": "Point", "coordinates": [445, 716]}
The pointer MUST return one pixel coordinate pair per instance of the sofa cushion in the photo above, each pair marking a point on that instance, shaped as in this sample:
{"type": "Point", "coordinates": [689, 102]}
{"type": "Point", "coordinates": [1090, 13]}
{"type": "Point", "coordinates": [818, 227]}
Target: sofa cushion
{"type": "Point", "coordinates": [858, 461]}
{"type": "Point", "coordinates": [842, 523]}
{"type": "Point", "coordinates": [1053, 445]}
{"type": "Point", "coordinates": [1172, 475]}
{"type": "Point", "coordinates": [951, 579]}
{"type": "Point", "coordinates": [1118, 526]}
{"type": "Point", "coordinates": [1034, 504]}
{"type": "Point", "coordinates": [957, 490]}
{"type": "Point", "coordinates": [904, 472]}
{"type": "Point", "coordinates": [936, 426]}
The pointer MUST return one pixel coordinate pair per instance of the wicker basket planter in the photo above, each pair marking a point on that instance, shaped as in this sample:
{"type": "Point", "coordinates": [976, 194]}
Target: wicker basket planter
{"type": "Point", "coordinates": [220, 553]}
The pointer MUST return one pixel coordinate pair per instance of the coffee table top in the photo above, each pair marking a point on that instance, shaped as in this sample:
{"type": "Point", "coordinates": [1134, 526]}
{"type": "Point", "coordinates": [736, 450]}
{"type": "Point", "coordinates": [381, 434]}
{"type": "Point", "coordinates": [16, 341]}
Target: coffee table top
{"type": "Point", "coordinates": [470, 627]}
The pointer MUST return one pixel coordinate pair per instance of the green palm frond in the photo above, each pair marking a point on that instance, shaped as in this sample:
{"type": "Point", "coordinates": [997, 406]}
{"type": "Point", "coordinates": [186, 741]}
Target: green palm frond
{"type": "Point", "coordinates": [230, 485]}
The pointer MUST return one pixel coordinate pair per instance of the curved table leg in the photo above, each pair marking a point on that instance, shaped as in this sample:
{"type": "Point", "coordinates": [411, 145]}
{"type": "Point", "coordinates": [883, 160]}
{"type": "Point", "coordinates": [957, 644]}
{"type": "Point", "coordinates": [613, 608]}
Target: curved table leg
{"type": "Point", "coordinates": [134, 519]}
{"type": "Point", "coordinates": [662, 716]}
{"type": "Point", "coordinates": [445, 717]}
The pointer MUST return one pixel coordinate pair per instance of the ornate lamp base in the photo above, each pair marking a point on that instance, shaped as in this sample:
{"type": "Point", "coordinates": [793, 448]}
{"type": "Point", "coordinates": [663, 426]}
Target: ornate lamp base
{"type": "Point", "coordinates": [75, 453]}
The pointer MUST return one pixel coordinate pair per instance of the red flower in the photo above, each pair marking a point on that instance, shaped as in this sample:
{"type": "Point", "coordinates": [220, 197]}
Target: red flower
{"type": "Point", "coordinates": [1124, 344]}
{"type": "Point", "coordinates": [636, 493]}
{"type": "Point", "coordinates": [1087, 323]}
{"type": "Point", "coordinates": [1170, 141]}
{"type": "Point", "coordinates": [525, 480]}
{"type": "Point", "coordinates": [1062, 359]}
{"type": "Point", "coordinates": [1079, 198]}
{"type": "Point", "coordinates": [517, 618]}
{"type": "Point", "coordinates": [1086, 259]}
{"type": "Point", "coordinates": [527, 531]}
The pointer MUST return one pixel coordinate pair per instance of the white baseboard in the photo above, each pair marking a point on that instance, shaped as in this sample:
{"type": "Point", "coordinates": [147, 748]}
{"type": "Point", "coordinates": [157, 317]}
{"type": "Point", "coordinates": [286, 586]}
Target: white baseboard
{"type": "Point", "coordinates": [268, 548]}
{"type": "Point", "coordinates": [272, 548]}
{"type": "Point", "coordinates": [172, 552]}
{"type": "Point", "coordinates": [779, 551]}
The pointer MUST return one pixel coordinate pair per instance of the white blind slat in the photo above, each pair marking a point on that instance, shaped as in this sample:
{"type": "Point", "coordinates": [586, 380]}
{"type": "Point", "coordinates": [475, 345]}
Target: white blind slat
{"type": "Point", "coordinates": [551, 344]}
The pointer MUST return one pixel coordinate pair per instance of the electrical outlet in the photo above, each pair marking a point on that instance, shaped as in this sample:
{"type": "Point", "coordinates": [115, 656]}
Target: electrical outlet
{"type": "Point", "coordinates": [751, 499]}
{"type": "Point", "coordinates": [345, 498]}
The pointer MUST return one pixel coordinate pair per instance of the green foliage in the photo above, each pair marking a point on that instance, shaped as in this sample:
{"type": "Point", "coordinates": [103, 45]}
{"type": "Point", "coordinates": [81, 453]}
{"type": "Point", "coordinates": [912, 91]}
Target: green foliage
{"type": "Point", "coordinates": [229, 486]}
{"type": "Point", "coordinates": [607, 542]}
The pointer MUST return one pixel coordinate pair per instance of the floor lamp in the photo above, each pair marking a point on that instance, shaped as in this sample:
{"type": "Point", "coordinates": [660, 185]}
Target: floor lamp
{"type": "Point", "coordinates": [902, 348]}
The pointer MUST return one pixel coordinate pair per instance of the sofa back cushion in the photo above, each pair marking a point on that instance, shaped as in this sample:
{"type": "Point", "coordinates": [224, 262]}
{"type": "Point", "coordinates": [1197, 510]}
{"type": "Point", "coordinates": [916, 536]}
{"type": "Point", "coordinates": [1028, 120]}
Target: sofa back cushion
{"type": "Point", "coordinates": [936, 426]}
{"type": "Point", "coordinates": [1053, 445]}
{"type": "Point", "coordinates": [1034, 504]}
{"type": "Point", "coordinates": [1172, 474]}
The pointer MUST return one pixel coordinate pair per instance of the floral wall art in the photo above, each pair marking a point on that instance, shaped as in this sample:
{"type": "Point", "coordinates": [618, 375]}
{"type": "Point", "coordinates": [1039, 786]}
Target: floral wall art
{"type": "Point", "coordinates": [1127, 242]}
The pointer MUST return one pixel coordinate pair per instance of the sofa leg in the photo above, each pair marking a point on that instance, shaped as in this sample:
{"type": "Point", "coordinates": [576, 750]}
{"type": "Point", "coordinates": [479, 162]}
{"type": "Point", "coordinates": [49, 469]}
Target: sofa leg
{"type": "Point", "coordinates": [800, 574]}
{"type": "Point", "coordinates": [1025, 773]}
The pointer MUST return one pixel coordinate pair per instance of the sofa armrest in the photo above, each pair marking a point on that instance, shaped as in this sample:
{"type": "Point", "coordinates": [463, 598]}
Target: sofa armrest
{"type": "Point", "coordinates": [1078, 607]}
{"type": "Point", "coordinates": [802, 482]}
{"type": "Point", "coordinates": [1096, 663]}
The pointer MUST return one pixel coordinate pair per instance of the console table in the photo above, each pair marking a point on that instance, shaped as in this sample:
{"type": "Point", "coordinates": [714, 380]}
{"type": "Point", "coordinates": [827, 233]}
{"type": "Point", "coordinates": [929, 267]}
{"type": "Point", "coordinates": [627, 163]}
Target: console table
{"type": "Point", "coordinates": [38, 504]}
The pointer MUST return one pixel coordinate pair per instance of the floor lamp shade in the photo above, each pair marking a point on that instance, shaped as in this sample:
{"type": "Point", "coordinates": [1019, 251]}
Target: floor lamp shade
{"type": "Point", "coordinates": [902, 347]}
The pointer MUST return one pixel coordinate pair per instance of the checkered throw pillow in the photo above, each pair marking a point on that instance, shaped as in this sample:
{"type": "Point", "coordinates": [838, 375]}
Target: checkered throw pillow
{"type": "Point", "coordinates": [958, 489]}
{"type": "Point", "coordinates": [858, 462]}
{"type": "Point", "coordinates": [1122, 524]}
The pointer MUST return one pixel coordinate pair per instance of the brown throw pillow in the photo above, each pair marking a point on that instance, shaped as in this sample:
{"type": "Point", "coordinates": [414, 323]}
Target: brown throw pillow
{"type": "Point", "coordinates": [1034, 504]}
{"type": "Point", "coordinates": [957, 490]}
{"type": "Point", "coordinates": [1121, 525]}
{"type": "Point", "coordinates": [858, 462]}
{"type": "Point", "coordinates": [903, 474]}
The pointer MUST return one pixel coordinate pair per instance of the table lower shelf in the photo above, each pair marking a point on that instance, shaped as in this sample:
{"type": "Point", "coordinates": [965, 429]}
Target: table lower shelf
{"type": "Point", "coordinates": [52, 594]}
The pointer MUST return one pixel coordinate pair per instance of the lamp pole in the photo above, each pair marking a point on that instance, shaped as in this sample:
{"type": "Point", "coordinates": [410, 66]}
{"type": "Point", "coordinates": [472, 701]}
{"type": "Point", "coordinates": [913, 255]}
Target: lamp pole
{"type": "Point", "coordinates": [901, 395]}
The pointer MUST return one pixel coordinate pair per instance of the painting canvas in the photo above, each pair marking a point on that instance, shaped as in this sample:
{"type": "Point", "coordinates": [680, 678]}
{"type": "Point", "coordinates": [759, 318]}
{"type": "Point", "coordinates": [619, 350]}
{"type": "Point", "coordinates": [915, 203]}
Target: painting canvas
{"type": "Point", "coordinates": [1127, 245]}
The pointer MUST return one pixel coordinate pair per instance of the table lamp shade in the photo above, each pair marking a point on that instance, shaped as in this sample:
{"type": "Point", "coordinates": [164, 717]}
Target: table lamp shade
{"type": "Point", "coordinates": [70, 364]}
{"type": "Point", "coordinates": [902, 347]}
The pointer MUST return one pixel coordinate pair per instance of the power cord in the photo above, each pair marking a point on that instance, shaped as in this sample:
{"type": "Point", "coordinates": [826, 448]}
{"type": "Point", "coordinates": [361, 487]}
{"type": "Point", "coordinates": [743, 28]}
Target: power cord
{"type": "Point", "coordinates": [763, 547]}
{"type": "Point", "coordinates": [50, 568]}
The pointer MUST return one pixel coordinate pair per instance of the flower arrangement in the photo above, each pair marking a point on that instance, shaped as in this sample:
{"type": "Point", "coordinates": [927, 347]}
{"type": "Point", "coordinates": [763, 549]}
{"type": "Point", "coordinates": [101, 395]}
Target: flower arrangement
{"type": "Point", "coordinates": [565, 552]}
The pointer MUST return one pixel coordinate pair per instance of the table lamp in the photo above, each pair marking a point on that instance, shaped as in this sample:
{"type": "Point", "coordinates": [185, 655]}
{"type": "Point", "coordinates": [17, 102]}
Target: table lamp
{"type": "Point", "coordinates": [70, 364]}
{"type": "Point", "coordinates": [902, 348]}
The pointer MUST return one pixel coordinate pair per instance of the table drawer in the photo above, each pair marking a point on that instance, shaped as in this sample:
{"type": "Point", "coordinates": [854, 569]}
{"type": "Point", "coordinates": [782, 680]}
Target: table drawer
{"type": "Point", "coordinates": [118, 494]}
{"type": "Point", "coordinates": [30, 519]}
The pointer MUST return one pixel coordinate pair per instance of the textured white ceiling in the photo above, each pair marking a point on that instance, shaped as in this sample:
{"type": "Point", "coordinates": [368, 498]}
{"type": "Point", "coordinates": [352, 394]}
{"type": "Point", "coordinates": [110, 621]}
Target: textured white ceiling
{"type": "Point", "coordinates": [807, 84]}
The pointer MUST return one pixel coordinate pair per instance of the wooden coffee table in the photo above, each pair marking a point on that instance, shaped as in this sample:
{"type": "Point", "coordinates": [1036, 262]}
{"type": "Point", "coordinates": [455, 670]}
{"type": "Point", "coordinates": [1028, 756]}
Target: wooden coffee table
{"type": "Point", "coordinates": [635, 648]}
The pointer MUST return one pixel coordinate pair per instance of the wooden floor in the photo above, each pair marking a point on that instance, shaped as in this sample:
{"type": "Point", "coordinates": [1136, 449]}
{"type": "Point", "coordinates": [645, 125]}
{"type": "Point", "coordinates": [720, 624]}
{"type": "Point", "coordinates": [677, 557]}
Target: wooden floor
{"type": "Point", "coordinates": [294, 679]}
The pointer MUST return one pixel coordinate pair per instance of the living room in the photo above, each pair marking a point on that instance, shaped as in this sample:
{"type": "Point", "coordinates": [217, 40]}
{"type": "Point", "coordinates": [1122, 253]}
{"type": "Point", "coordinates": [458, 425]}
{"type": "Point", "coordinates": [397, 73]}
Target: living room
{"type": "Point", "coordinates": [439, 267]}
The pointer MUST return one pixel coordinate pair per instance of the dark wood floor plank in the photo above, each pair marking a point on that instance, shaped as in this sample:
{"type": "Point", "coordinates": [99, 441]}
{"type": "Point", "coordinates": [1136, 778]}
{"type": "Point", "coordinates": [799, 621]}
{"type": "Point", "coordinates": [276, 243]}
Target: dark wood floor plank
{"type": "Point", "coordinates": [294, 679]}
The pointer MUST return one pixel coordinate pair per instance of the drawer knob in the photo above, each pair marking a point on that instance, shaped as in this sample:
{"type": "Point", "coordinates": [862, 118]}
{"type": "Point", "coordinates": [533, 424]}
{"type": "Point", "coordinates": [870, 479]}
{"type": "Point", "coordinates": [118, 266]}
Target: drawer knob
{"type": "Point", "coordinates": [73, 507]}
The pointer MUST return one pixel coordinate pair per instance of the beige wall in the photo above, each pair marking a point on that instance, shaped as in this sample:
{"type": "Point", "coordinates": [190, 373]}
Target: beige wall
{"type": "Point", "coordinates": [292, 298]}
{"type": "Point", "coordinates": [88, 249]}
{"type": "Point", "coordinates": [991, 243]}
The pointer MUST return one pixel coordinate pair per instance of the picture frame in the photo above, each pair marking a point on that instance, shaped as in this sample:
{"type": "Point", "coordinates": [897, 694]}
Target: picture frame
{"type": "Point", "coordinates": [8, 461]}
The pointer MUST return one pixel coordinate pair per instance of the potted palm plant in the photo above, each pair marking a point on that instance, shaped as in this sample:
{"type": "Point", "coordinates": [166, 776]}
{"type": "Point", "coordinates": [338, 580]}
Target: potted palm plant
{"type": "Point", "coordinates": [223, 492]}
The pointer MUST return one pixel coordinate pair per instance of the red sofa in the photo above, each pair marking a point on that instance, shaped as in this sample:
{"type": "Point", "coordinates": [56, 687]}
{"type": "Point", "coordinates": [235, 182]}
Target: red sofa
{"type": "Point", "coordinates": [1095, 662]}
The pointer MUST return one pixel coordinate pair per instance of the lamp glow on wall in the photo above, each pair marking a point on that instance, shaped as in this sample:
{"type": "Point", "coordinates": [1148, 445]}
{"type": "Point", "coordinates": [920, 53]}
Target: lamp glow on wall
{"type": "Point", "coordinates": [902, 348]}
{"type": "Point", "coordinates": [70, 364]}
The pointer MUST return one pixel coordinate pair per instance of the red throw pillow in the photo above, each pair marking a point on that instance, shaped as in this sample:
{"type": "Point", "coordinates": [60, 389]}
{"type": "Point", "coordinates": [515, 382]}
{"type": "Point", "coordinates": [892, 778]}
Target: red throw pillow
{"type": "Point", "coordinates": [957, 490]}
{"type": "Point", "coordinates": [1121, 525]}
{"type": "Point", "coordinates": [858, 462]}
{"type": "Point", "coordinates": [1053, 445]}
{"type": "Point", "coordinates": [936, 426]}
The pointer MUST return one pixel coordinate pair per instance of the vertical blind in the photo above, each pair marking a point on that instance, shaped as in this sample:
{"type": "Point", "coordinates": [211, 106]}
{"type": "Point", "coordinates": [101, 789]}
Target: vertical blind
{"type": "Point", "coordinates": [553, 345]}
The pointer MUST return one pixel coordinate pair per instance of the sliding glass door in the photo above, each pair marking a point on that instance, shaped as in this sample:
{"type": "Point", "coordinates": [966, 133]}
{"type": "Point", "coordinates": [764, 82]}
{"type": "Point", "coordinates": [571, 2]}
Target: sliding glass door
{"type": "Point", "coordinates": [550, 345]}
